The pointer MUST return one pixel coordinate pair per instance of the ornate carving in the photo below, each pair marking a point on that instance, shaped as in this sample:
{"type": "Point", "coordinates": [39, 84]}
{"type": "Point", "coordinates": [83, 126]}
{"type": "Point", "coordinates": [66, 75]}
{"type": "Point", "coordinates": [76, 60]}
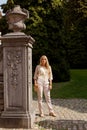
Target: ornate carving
{"type": "Point", "coordinates": [16, 17]}
{"type": "Point", "coordinates": [14, 58]}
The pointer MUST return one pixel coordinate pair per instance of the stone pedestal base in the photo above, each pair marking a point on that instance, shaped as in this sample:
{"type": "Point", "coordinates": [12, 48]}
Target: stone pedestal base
{"type": "Point", "coordinates": [17, 119]}
{"type": "Point", "coordinates": [16, 123]}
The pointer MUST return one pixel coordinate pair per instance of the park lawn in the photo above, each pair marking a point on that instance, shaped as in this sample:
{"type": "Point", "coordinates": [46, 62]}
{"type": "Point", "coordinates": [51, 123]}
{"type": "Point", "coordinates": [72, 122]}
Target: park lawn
{"type": "Point", "coordinates": [75, 88]}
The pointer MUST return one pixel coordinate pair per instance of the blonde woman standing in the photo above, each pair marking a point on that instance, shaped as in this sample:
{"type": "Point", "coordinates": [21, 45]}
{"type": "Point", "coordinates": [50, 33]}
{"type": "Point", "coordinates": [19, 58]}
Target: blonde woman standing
{"type": "Point", "coordinates": [43, 79]}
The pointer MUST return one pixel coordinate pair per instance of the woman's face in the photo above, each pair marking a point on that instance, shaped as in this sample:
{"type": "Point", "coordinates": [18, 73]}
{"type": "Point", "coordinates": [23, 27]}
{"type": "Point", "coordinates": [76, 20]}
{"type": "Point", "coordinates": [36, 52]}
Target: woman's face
{"type": "Point", "coordinates": [43, 61]}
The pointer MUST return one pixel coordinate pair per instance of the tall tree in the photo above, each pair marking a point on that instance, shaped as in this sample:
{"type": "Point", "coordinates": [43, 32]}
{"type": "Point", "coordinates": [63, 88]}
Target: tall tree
{"type": "Point", "coordinates": [75, 32]}
{"type": "Point", "coordinates": [45, 25]}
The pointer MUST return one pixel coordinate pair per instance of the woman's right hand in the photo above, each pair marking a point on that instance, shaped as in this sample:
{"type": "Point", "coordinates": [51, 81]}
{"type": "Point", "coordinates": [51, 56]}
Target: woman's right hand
{"type": "Point", "coordinates": [35, 87]}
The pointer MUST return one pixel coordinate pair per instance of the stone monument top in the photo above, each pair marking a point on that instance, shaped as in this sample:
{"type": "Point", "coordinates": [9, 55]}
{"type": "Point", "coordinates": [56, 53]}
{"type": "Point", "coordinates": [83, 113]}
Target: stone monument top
{"type": "Point", "coordinates": [16, 17]}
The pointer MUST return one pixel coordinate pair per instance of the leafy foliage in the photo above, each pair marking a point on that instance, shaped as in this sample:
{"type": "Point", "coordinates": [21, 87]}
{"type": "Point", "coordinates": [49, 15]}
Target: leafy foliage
{"type": "Point", "coordinates": [60, 30]}
{"type": "Point", "coordinates": [75, 32]}
{"type": "Point", "coordinates": [3, 25]}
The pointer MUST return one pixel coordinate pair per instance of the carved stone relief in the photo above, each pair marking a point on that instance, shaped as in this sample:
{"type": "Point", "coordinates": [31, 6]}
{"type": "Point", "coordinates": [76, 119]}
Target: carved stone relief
{"type": "Point", "coordinates": [13, 59]}
{"type": "Point", "coordinates": [13, 75]}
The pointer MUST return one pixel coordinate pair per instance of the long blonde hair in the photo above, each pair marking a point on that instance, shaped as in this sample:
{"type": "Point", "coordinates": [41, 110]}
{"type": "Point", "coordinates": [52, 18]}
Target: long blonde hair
{"type": "Point", "coordinates": [47, 62]}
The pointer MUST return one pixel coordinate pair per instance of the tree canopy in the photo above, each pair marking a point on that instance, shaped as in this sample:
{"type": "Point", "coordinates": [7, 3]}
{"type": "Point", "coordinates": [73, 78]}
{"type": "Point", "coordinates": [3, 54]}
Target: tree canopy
{"type": "Point", "coordinates": [60, 31]}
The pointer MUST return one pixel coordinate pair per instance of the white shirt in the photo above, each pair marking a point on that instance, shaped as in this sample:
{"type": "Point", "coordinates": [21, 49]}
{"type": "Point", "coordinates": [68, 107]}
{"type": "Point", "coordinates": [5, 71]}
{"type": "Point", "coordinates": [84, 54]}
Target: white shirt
{"type": "Point", "coordinates": [42, 72]}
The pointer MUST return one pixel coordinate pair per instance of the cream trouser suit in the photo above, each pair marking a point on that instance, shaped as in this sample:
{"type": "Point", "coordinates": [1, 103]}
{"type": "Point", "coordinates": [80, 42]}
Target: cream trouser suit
{"type": "Point", "coordinates": [43, 86]}
{"type": "Point", "coordinates": [42, 76]}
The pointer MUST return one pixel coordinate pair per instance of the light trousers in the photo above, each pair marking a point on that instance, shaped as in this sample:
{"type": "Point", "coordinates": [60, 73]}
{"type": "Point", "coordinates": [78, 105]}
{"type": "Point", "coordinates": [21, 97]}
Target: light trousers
{"type": "Point", "coordinates": [43, 87]}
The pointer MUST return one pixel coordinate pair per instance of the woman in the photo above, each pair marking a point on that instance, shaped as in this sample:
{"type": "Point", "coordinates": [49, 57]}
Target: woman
{"type": "Point", "coordinates": [43, 79]}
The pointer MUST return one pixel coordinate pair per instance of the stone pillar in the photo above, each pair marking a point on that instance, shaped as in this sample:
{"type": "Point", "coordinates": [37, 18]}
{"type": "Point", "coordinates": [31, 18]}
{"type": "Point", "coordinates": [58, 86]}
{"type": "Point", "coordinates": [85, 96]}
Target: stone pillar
{"type": "Point", "coordinates": [1, 68]}
{"type": "Point", "coordinates": [17, 66]}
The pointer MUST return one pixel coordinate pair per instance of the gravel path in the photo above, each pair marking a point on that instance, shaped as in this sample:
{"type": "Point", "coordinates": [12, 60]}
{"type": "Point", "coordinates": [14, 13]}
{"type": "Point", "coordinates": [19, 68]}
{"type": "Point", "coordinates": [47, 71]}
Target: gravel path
{"type": "Point", "coordinates": [71, 115]}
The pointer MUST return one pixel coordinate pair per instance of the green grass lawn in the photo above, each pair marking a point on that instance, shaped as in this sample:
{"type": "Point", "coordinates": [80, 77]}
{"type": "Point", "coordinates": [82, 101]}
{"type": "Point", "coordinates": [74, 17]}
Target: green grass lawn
{"type": "Point", "coordinates": [75, 88]}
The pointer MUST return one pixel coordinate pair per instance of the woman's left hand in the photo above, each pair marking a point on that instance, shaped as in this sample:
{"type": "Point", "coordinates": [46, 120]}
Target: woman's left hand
{"type": "Point", "coordinates": [50, 87]}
